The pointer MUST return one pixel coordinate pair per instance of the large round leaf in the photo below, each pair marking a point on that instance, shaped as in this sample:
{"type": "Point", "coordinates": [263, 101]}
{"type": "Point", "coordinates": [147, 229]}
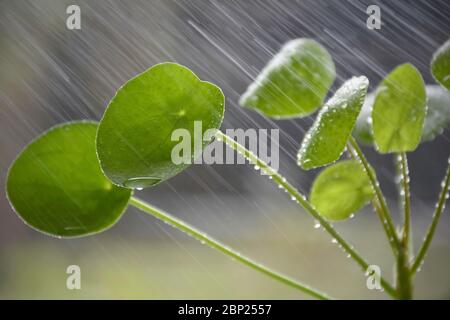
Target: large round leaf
{"type": "Point", "coordinates": [294, 83]}
{"type": "Point", "coordinates": [57, 187]}
{"type": "Point", "coordinates": [134, 139]}
{"type": "Point", "coordinates": [399, 110]}
{"type": "Point", "coordinates": [440, 65]}
{"type": "Point", "coordinates": [326, 139]}
{"type": "Point", "coordinates": [341, 190]}
{"type": "Point", "coordinates": [436, 119]}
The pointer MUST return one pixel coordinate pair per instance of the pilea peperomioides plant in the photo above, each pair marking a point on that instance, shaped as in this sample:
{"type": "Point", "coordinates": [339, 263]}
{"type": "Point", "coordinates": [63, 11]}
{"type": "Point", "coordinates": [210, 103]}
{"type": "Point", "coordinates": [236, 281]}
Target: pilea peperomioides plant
{"type": "Point", "coordinates": [78, 178]}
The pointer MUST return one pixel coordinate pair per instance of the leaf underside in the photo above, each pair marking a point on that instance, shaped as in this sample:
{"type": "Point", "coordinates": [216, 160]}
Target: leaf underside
{"type": "Point", "coordinates": [341, 190]}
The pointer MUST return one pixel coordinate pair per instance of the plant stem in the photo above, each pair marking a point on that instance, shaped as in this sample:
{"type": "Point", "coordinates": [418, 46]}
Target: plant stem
{"type": "Point", "coordinates": [403, 276]}
{"type": "Point", "coordinates": [383, 211]}
{"type": "Point", "coordinates": [432, 228]}
{"type": "Point", "coordinates": [404, 283]}
{"type": "Point", "coordinates": [375, 202]}
{"type": "Point", "coordinates": [303, 202]}
{"type": "Point", "coordinates": [403, 163]}
{"type": "Point", "coordinates": [204, 238]}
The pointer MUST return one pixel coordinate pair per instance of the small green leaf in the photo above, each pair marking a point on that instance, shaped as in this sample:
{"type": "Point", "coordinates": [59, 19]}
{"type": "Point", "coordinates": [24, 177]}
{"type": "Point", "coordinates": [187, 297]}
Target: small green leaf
{"type": "Point", "coordinates": [341, 190]}
{"type": "Point", "coordinates": [440, 65]}
{"type": "Point", "coordinates": [399, 110]}
{"type": "Point", "coordinates": [134, 139]}
{"type": "Point", "coordinates": [326, 139]}
{"type": "Point", "coordinates": [294, 83]}
{"type": "Point", "coordinates": [436, 119]}
{"type": "Point", "coordinates": [56, 186]}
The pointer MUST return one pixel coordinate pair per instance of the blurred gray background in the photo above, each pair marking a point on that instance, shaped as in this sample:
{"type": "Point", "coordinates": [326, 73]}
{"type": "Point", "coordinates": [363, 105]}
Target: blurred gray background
{"type": "Point", "coordinates": [49, 74]}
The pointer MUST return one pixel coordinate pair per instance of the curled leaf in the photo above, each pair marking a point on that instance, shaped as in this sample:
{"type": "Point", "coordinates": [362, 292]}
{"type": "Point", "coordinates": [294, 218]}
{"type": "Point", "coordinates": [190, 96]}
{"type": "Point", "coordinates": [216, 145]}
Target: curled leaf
{"type": "Point", "coordinates": [56, 186]}
{"type": "Point", "coordinates": [341, 190]}
{"type": "Point", "coordinates": [327, 138]}
{"type": "Point", "coordinates": [294, 83]}
{"type": "Point", "coordinates": [135, 139]}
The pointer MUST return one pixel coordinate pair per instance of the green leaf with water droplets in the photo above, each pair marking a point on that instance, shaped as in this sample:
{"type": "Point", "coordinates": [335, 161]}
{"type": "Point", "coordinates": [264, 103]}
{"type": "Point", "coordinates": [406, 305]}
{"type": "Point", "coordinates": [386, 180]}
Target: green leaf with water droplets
{"type": "Point", "coordinates": [440, 65]}
{"type": "Point", "coordinates": [341, 190]}
{"type": "Point", "coordinates": [135, 139]}
{"type": "Point", "coordinates": [326, 139]}
{"type": "Point", "coordinates": [399, 110]}
{"type": "Point", "coordinates": [56, 186]}
{"type": "Point", "coordinates": [294, 83]}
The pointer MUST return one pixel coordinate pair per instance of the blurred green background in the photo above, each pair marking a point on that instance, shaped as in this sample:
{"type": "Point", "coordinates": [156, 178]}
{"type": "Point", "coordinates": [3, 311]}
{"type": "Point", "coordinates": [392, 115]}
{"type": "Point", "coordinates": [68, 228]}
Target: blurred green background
{"type": "Point", "coordinates": [49, 74]}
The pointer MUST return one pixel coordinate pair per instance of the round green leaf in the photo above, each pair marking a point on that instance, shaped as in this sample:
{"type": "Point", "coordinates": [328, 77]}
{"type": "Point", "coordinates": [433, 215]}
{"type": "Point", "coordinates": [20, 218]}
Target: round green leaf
{"type": "Point", "coordinates": [440, 65]}
{"type": "Point", "coordinates": [294, 83]}
{"type": "Point", "coordinates": [341, 190]}
{"type": "Point", "coordinates": [56, 186]}
{"type": "Point", "coordinates": [326, 139]}
{"type": "Point", "coordinates": [436, 119]}
{"type": "Point", "coordinates": [399, 110]}
{"type": "Point", "coordinates": [134, 139]}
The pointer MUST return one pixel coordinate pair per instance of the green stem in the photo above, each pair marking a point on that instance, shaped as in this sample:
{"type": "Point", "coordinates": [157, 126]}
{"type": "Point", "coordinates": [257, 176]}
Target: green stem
{"type": "Point", "coordinates": [385, 217]}
{"type": "Point", "coordinates": [376, 205]}
{"type": "Point", "coordinates": [204, 238]}
{"type": "Point", "coordinates": [403, 164]}
{"type": "Point", "coordinates": [403, 276]}
{"type": "Point", "coordinates": [404, 281]}
{"type": "Point", "coordinates": [432, 228]}
{"type": "Point", "coordinates": [303, 202]}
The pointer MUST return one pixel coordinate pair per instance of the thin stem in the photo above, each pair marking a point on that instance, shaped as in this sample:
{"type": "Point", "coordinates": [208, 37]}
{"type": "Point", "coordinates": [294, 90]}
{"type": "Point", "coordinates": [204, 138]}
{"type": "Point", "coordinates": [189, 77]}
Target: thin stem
{"type": "Point", "coordinates": [432, 228]}
{"type": "Point", "coordinates": [204, 238]}
{"type": "Point", "coordinates": [404, 280]}
{"type": "Point", "coordinates": [403, 276]}
{"type": "Point", "coordinates": [403, 164]}
{"type": "Point", "coordinates": [384, 214]}
{"type": "Point", "coordinates": [375, 203]}
{"type": "Point", "coordinates": [303, 202]}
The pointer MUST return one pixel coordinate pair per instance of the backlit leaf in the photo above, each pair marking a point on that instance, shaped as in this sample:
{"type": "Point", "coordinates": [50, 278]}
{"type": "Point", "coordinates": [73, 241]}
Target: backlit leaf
{"type": "Point", "coordinates": [436, 119]}
{"type": "Point", "coordinates": [341, 190]}
{"type": "Point", "coordinates": [134, 140]}
{"type": "Point", "coordinates": [399, 110]}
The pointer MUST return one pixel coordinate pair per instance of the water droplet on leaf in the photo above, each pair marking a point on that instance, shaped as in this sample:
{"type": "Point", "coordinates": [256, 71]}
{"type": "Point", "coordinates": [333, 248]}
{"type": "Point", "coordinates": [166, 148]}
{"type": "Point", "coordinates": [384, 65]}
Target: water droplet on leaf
{"type": "Point", "coordinates": [141, 182]}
